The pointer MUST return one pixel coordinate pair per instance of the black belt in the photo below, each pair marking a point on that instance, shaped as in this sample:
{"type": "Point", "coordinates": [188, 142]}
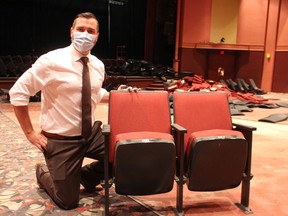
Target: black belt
{"type": "Point", "coordinates": [60, 137]}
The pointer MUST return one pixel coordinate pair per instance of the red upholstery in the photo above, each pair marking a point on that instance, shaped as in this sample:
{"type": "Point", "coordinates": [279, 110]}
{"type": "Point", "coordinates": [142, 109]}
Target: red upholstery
{"type": "Point", "coordinates": [214, 132]}
{"type": "Point", "coordinates": [142, 114]}
{"type": "Point", "coordinates": [141, 149]}
{"type": "Point", "coordinates": [211, 134]}
{"type": "Point", "coordinates": [214, 155]}
{"type": "Point", "coordinates": [142, 135]}
{"type": "Point", "coordinates": [197, 113]}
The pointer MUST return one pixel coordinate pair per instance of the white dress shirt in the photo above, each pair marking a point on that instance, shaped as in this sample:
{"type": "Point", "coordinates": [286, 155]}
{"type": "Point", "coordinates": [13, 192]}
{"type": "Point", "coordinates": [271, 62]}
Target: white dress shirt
{"type": "Point", "coordinates": [58, 75]}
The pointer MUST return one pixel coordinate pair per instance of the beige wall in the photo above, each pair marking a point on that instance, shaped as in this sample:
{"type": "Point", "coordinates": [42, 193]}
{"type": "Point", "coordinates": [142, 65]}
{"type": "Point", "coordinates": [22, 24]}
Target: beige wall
{"type": "Point", "coordinates": [224, 20]}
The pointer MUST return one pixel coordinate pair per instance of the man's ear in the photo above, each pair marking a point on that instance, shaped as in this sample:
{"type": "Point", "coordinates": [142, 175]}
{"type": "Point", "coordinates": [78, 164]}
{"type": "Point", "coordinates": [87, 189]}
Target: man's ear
{"type": "Point", "coordinates": [97, 36]}
{"type": "Point", "coordinates": [71, 32]}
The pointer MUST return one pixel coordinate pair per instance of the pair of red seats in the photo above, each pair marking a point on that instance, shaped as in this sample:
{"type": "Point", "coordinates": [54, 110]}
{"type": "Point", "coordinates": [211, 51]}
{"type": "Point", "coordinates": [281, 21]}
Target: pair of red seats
{"type": "Point", "coordinates": [145, 153]}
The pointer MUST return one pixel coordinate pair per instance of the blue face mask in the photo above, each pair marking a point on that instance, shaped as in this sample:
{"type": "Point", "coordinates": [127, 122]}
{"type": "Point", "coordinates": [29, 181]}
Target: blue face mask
{"type": "Point", "coordinates": [83, 41]}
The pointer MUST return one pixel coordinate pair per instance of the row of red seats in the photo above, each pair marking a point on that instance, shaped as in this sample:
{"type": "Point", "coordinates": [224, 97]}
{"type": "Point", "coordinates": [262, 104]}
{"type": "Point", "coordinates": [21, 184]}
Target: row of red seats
{"type": "Point", "coordinates": [145, 154]}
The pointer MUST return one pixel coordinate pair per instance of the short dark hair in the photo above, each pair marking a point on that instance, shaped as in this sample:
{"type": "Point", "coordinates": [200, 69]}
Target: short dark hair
{"type": "Point", "coordinates": [87, 15]}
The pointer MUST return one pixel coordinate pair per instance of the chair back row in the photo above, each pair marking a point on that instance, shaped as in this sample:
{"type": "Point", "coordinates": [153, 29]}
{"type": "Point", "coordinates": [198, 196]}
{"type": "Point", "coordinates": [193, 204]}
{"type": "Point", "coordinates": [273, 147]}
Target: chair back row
{"type": "Point", "coordinates": [144, 151]}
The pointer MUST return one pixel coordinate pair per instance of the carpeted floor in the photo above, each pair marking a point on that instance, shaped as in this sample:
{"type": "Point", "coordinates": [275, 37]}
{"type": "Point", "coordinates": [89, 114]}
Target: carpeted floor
{"type": "Point", "coordinates": [19, 193]}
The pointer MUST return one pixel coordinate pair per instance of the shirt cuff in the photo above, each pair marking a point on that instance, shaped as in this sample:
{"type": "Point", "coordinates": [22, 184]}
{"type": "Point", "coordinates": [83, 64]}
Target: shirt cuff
{"type": "Point", "coordinates": [18, 99]}
{"type": "Point", "coordinates": [101, 94]}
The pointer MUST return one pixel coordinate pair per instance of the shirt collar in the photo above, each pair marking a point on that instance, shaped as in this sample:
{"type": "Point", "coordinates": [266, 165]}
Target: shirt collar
{"type": "Point", "coordinates": [75, 54]}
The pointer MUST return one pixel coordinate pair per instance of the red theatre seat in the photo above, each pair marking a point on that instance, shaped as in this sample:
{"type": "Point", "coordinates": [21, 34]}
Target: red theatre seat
{"type": "Point", "coordinates": [140, 153]}
{"type": "Point", "coordinates": [216, 153]}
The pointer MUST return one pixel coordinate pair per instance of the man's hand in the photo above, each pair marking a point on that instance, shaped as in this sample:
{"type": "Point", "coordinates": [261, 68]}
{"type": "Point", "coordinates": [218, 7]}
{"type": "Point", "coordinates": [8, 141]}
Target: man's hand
{"type": "Point", "coordinates": [128, 88]}
{"type": "Point", "coordinates": [37, 139]}
{"type": "Point", "coordinates": [34, 137]}
{"type": "Point", "coordinates": [105, 98]}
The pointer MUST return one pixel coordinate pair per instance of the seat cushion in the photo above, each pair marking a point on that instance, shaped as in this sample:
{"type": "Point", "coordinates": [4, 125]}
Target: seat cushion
{"type": "Point", "coordinates": [143, 135]}
{"type": "Point", "coordinates": [214, 133]}
{"type": "Point", "coordinates": [137, 135]}
{"type": "Point", "coordinates": [215, 159]}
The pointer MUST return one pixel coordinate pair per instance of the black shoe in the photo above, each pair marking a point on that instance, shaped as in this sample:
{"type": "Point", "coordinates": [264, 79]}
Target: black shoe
{"type": "Point", "coordinates": [90, 190]}
{"type": "Point", "coordinates": [88, 187]}
{"type": "Point", "coordinates": [41, 169]}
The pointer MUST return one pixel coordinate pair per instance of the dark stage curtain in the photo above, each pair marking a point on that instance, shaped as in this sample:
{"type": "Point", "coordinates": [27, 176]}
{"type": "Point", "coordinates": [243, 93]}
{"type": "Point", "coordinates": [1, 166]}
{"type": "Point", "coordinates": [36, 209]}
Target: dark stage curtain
{"type": "Point", "coordinates": [38, 26]}
{"type": "Point", "coordinates": [160, 31]}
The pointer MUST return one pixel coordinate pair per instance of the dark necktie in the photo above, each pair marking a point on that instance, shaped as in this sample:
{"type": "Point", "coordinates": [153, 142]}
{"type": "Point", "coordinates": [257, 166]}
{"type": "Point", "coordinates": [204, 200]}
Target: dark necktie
{"type": "Point", "coordinates": [86, 100]}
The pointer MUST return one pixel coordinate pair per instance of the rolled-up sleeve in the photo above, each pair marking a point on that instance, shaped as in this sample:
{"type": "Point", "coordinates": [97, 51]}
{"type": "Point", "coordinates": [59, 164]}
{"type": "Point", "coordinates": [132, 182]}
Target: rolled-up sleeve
{"type": "Point", "coordinates": [27, 85]}
{"type": "Point", "coordinates": [101, 94]}
{"type": "Point", "coordinates": [21, 91]}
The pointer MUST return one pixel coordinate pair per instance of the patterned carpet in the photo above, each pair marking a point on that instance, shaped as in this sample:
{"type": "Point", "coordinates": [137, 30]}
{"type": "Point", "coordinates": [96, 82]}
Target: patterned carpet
{"type": "Point", "coordinates": [19, 193]}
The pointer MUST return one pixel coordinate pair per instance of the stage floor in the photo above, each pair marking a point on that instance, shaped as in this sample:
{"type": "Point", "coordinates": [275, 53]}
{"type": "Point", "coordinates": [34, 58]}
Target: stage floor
{"type": "Point", "coordinates": [19, 194]}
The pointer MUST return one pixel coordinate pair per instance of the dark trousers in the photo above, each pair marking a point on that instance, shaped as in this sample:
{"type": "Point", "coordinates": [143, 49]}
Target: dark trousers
{"type": "Point", "coordinates": [64, 161]}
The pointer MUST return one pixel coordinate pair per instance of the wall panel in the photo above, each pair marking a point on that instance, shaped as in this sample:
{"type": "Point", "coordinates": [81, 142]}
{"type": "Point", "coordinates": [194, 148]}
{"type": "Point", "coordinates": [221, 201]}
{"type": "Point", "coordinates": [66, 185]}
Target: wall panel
{"type": "Point", "coordinates": [252, 21]}
{"type": "Point", "coordinates": [280, 78]}
{"type": "Point", "coordinates": [197, 21]}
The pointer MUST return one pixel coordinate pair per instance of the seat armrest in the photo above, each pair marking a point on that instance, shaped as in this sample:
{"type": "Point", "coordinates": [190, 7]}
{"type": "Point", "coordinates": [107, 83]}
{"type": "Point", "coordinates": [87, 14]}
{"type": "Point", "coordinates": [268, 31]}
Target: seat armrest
{"type": "Point", "coordinates": [106, 129]}
{"type": "Point", "coordinates": [106, 185]}
{"type": "Point", "coordinates": [178, 133]}
{"type": "Point", "coordinates": [247, 175]}
{"type": "Point", "coordinates": [243, 128]}
{"type": "Point", "coordinates": [246, 130]}
{"type": "Point", "coordinates": [179, 128]}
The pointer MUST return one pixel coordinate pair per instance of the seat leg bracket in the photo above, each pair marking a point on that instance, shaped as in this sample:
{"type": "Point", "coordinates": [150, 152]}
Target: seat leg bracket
{"type": "Point", "coordinates": [244, 209]}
